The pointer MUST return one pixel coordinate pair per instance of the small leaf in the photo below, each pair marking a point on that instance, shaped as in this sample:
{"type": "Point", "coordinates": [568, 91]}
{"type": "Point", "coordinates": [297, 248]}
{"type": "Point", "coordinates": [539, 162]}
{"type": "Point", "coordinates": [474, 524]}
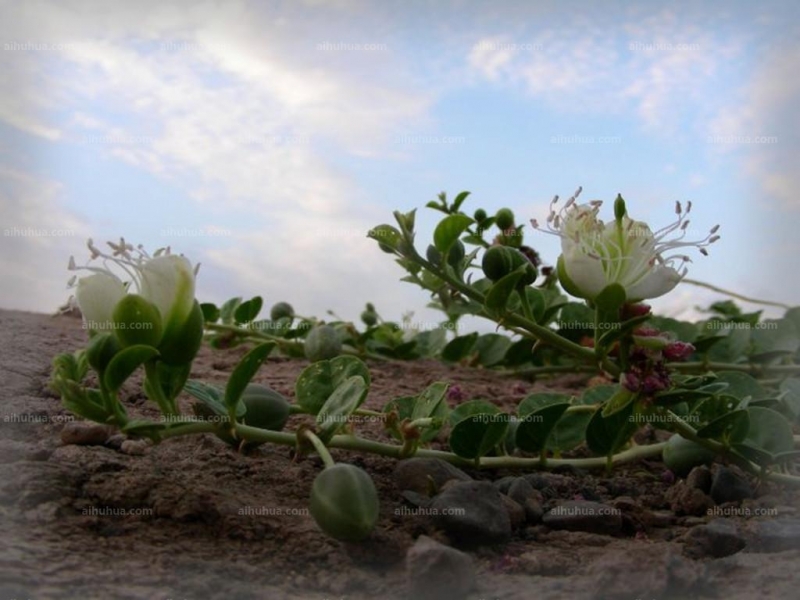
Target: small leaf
{"type": "Point", "coordinates": [244, 372]}
{"type": "Point", "coordinates": [535, 427]}
{"type": "Point", "coordinates": [460, 347]}
{"type": "Point", "coordinates": [499, 294]}
{"type": "Point", "coordinates": [492, 348]}
{"type": "Point", "coordinates": [228, 309]}
{"type": "Point", "coordinates": [428, 402]}
{"type": "Point", "coordinates": [728, 429]}
{"type": "Point", "coordinates": [125, 363]}
{"type": "Point", "coordinates": [344, 400]}
{"type": "Point", "coordinates": [211, 312]}
{"type": "Point", "coordinates": [318, 380]}
{"type": "Point", "coordinates": [477, 435]}
{"type": "Point", "coordinates": [769, 431]}
{"type": "Point", "coordinates": [472, 407]}
{"type": "Point", "coordinates": [459, 200]}
{"type": "Point", "coordinates": [618, 402]}
{"type": "Point", "coordinates": [448, 231]}
{"type": "Point", "coordinates": [607, 435]}
{"type": "Point", "coordinates": [248, 311]}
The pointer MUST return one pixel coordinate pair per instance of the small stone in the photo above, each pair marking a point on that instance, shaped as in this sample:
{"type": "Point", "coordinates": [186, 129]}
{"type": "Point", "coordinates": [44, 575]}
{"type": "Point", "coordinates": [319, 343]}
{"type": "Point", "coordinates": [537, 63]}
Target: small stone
{"type": "Point", "coordinates": [520, 490]}
{"type": "Point", "coordinates": [435, 571]}
{"type": "Point", "coordinates": [504, 483]}
{"type": "Point", "coordinates": [134, 447]}
{"type": "Point", "coordinates": [685, 500]}
{"type": "Point", "coordinates": [419, 474]}
{"type": "Point", "coordinates": [515, 512]}
{"type": "Point", "coordinates": [657, 518]}
{"type": "Point", "coordinates": [472, 513]}
{"type": "Point", "coordinates": [584, 515]}
{"type": "Point", "coordinates": [777, 535]}
{"type": "Point", "coordinates": [700, 478]}
{"type": "Point", "coordinates": [116, 440]}
{"type": "Point", "coordinates": [729, 486]}
{"type": "Point", "coordinates": [534, 511]}
{"type": "Point", "coordinates": [716, 539]}
{"type": "Point", "coordinates": [83, 433]}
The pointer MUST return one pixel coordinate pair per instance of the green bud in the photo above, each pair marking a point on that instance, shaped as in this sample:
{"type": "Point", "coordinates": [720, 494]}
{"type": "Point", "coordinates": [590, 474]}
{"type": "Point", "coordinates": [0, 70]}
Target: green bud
{"type": "Point", "coordinates": [281, 310]}
{"type": "Point", "coordinates": [322, 343]}
{"type": "Point", "coordinates": [480, 216]}
{"type": "Point", "coordinates": [499, 261]}
{"type": "Point", "coordinates": [369, 318]}
{"type": "Point", "coordinates": [433, 255]}
{"type": "Point", "coordinates": [456, 254]}
{"type": "Point", "coordinates": [619, 208]}
{"type": "Point", "coordinates": [137, 321]}
{"type": "Point", "coordinates": [344, 502]}
{"type": "Point", "coordinates": [266, 408]}
{"type": "Point", "coordinates": [504, 219]}
{"type": "Point", "coordinates": [181, 344]}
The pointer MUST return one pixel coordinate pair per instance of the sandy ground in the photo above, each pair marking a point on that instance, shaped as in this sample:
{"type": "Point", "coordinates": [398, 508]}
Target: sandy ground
{"type": "Point", "coordinates": [191, 528]}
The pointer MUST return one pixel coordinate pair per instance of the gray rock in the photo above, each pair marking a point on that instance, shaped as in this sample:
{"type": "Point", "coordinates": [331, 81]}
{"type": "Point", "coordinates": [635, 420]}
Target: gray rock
{"type": "Point", "coordinates": [777, 535]}
{"type": "Point", "coordinates": [729, 486]}
{"type": "Point", "coordinates": [700, 478]}
{"type": "Point", "coordinates": [534, 511]}
{"type": "Point", "coordinates": [647, 572]}
{"type": "Point", "coordinates": [520, 490]}
{"type": "Point", "coordinates": [716, 539]}
{"type": "Point", "coordinates": [685, 500]}
{"type": "Point", "coordinates": [515, 512]}
{"type": "Point", "coordinates": [584, 515]}
{"type": "Point", "coordinates": [504, 483]}
{"type": "Point", "coordinates": [435, 571]}
{"type": "Point", "coordinates": [83, 433]}
{"type": "Point", "coordinates": [472, 513]}
{"type": "Point", "coordinates": [420, 474]}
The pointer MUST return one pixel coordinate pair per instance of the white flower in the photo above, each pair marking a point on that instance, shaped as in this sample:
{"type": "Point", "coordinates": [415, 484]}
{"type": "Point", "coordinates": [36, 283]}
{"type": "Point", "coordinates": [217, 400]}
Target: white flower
{"type": "Point", "coordinates": [596, 254]}
{"type": "Point", "coordinates": [165, 280]}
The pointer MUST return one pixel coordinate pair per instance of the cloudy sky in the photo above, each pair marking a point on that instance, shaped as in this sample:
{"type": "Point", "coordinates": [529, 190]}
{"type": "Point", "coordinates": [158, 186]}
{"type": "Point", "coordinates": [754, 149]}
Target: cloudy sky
{"type": "Point", "coordinates": [263, 139]}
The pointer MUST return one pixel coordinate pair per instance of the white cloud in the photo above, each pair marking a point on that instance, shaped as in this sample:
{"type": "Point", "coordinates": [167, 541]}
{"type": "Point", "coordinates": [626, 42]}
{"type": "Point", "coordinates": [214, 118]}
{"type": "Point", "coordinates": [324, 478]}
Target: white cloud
{"type": "Point", "coordinates": [38, 236]}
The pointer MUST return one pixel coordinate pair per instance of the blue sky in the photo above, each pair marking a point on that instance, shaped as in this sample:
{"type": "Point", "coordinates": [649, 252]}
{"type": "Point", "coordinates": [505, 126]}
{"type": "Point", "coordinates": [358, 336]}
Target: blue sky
{"type": "Point", "coordinates": [291, 128]}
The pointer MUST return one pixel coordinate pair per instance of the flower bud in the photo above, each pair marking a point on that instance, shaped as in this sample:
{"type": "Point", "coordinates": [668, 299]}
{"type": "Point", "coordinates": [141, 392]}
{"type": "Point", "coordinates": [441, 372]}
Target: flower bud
{"type": "Point", "coordinates": [344, 502]}
{"type": "Point", "coordinates": [678, 351]}
{"type": "Point", "coordinates": [504, 219]}
{"type": "Point", "coordinates": [137, 321]}
{"type": "Point", "coordinates": [281, 310]}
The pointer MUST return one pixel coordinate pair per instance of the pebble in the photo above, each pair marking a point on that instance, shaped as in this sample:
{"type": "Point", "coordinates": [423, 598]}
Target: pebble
{"type": "Point", "coordinates": [716, 539]}
{"type": "Point", "coordinates": [84, 433]}
{"type": "Point", "coordinates": [515, 512]}
{"type": "Point", "coordinates": [472, 513]}
{"type": "Point", "coordinates": [685, 500]}
{"type": "Point", "coordinates": [729, 486]}
{"type": "Point", "coordinates": [700, 478]}
{"type": "Point", "coordinates": [435, 571]}
{"type": "Point", "coordinates": [776, 535]}
{"type": "Point", "coordinates": [520, 490]}
{"type": "Point", "coordinates": [416, 474]}
{"type": "Point", "coordinates": [584, 515]}
{"type": "Point", "coordinates": [134, 447]}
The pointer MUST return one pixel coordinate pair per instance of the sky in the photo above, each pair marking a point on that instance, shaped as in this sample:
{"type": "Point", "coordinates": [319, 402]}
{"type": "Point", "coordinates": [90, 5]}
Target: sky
{"type": "Point", "coordinates": [264, 139]}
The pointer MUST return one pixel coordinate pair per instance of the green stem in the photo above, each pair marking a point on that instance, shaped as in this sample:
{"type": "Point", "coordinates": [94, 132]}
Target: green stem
{"type": "Point", "coordinates": [284, 343]}
{"type": "Point", "coordinates": [536, 331]}
{"type": "Point", "coordinates": [320, 447]}
{"type": "Point", "coordinates": [689, 433]}
{"type": "Point", "coordinates": [714, 288]}
{"type": "Point", "coordinates": [356, 444]}
{"type": "Point", "coordinates": [168, 406]}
